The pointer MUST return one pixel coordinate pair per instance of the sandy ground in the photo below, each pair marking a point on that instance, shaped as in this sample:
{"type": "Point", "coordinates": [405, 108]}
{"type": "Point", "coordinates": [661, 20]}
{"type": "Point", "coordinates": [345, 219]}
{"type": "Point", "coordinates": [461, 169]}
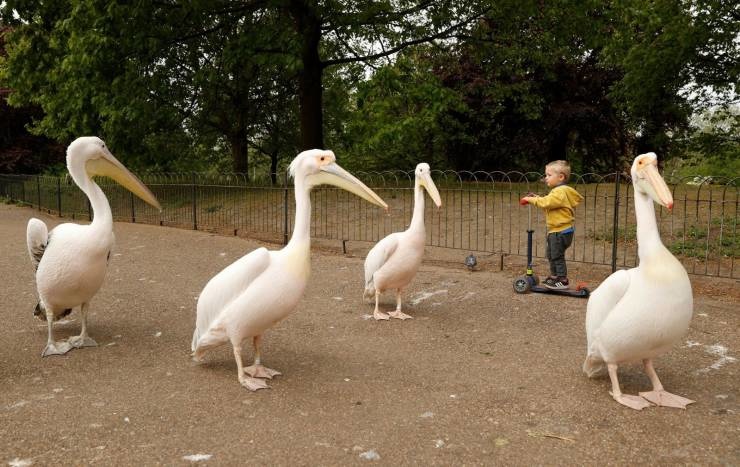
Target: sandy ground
{"type": "Point", "coordinates": [481, 376]}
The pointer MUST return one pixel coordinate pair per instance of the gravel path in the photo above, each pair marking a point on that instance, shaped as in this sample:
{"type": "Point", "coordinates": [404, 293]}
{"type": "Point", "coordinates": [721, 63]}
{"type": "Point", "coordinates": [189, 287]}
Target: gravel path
{"type": "Point", "coordinates": [481, 376]}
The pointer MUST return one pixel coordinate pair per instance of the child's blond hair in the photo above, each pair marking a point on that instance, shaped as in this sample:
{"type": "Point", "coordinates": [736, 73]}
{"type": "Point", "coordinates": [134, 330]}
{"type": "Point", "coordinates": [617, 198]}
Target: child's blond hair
{"type": "Point", "coordinates": [561, 167]}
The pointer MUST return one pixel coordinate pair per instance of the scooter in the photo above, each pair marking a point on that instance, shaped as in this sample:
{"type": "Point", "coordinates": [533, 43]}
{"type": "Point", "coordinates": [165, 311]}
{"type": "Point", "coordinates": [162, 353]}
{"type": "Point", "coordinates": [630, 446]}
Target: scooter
{"type": "Point", "coordinates": [530, 283]}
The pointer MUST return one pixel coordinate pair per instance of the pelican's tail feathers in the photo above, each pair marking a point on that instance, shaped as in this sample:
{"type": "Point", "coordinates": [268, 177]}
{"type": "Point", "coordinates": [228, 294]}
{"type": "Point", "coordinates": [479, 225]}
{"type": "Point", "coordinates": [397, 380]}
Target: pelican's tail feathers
{"type": "Point", "coordinates": [196, 337]}
{"type": "Point", "coordinates": [369, 292]}
{"type": "Point", "coordinates": [209, 339]}
{"type": "Point", "coordinates": [37, 237]}
{"type": "Point", "coordinates": [594, 367]}
{"type": "Point", "coordinates": [40, 312]}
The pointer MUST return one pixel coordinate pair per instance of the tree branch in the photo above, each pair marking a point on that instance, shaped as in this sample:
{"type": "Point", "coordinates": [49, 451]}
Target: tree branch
{"type": "Point", "coordinates": [399, 47]}
{"type": "Point", "coordinates": [381, 18]}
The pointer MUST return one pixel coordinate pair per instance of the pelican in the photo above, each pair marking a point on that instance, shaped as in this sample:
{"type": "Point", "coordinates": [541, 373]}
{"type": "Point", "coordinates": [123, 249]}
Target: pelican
{"type": "Point", "coordinates": [640, 313]}
{"type": "Point", "coordinates": [259, 290]}
{"type": "Point", "coordinates": [393, 262]}
{"type": "Point", "coordinates": [71, 260]}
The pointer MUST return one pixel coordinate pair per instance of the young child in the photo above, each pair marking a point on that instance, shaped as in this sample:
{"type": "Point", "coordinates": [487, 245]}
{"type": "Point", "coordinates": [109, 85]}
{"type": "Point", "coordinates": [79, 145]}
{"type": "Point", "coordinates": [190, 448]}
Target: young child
{"type": "Point", "coordinates": [559, 207]}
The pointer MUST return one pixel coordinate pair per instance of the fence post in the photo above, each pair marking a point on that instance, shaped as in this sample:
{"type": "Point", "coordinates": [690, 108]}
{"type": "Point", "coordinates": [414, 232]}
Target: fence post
{"type": "Point", "coordinates": [615, 224]}
{"type": "Point", "coordinates": [285, 208]}
{"type": "Point", "coordinates": [38, 190]}
{"type": "Point", "coordinates": [59, 195]}
{"type": "Point", "coordinates": [133, 213]}
{"type": "Point", "coordinates": [195, 205]}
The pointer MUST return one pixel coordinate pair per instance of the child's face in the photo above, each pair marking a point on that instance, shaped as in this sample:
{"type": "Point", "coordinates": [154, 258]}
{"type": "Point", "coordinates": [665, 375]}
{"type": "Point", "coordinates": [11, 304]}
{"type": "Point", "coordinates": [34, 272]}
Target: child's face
{"type": "Point", "coordinates": [553, 177]}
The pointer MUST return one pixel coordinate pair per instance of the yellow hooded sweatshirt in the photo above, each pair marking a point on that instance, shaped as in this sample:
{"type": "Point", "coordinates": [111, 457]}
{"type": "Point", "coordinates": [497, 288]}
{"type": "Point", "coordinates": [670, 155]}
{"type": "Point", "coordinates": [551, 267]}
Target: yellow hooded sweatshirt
{"type": "Point", "coordinates": [559, 206]}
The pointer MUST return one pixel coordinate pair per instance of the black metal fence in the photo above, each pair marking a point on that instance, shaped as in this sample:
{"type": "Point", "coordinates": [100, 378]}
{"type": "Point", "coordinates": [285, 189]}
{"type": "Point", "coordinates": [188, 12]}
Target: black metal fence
{"type": "Point", "coordinates": [480, 212]}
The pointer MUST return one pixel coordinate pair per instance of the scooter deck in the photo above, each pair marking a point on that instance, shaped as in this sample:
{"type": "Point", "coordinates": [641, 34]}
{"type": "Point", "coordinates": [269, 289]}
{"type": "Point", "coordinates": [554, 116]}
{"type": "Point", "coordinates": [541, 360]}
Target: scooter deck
{"type": "Point", "coordinates": [584, 292]}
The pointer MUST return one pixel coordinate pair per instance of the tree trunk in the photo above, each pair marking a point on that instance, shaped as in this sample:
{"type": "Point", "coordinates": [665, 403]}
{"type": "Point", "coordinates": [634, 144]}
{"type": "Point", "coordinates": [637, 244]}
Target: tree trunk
{"type": "Point", "coordinates": [239, 155]}
{"type": "Point", "coordinates": [273, 167]}
{"type": "Point", "coordinates": [308, 27]}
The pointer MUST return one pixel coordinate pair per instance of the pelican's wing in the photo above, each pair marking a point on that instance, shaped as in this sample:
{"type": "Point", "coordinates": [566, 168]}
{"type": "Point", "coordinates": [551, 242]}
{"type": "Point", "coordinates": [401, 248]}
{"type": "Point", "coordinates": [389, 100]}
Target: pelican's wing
{"type": "Point", "coordinates": [377, 257]}
{"type": "Point", "coordinates": [37, 237]}
{"type": "Point", "coordinates": [602, 301]}
{"type": "Point", "coordinates": [227, 286]}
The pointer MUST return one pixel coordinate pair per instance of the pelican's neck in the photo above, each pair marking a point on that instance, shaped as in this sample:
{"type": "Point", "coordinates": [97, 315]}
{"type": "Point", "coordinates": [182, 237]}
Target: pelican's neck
{"type": "Point", "coordinates": [417, 219]}
{"type": "Point", "coordinates": [648, 237]}
{"type": "Point", "coordinates": [302, 227]}
{"type": "Point", "coordinates": [102, 216]}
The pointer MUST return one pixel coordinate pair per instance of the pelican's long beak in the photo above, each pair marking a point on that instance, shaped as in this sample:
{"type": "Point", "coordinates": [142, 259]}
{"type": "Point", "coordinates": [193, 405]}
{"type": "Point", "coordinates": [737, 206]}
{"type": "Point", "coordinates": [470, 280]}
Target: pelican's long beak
{"type": "Point", "coordinates": [109, 166]}
{"type": "Point", "coordinates": [659, 191]}
{"type": "Point", "coordinates": [426, 181]}
{"type": "Point", "coordinates": [332, 174]}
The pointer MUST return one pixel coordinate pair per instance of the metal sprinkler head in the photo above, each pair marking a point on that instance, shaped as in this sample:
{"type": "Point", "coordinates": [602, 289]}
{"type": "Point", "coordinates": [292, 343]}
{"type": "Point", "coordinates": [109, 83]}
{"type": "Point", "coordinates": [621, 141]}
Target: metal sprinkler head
{"type": "Point", "coordinates": [470, 261]}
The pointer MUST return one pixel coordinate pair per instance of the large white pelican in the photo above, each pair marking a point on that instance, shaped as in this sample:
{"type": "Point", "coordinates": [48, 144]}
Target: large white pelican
{"type": "Point", "coordinates": [393, 262]}
{"type": "Point", "coordinates": [71, 260]}
{"type": "Point", "coordinates": [639, 314]}
{"type": "Point", "coordinates": [257, 291]}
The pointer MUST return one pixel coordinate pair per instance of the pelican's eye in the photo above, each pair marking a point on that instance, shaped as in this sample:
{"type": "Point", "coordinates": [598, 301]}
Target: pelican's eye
{"type": "Point", "coordinates": [322, 158]}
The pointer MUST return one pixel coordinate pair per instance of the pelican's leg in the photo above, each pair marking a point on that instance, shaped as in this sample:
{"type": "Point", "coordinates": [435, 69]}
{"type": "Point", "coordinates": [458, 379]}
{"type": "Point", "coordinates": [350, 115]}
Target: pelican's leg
{"type": "Point", "coordinates": [248, 382]}
{"type": "Point", "coordinates": [257, 370]}
{"type": "Point", "coordinates": [52, 347]}
{"type": "Point", "coordinates": [377, 314]}
{"type": "Point", "coordinates": [83, 340]}
{"type": "Point", "coordinates": [658, 395]}
{"type": "Point", "coordinates": [398, 313]}
{"type": "Point", "coordinates": [633, 402]}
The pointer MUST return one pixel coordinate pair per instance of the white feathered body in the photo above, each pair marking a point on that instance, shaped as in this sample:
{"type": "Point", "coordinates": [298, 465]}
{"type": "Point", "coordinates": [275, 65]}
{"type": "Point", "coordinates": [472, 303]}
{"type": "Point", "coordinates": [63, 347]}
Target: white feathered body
{"type": "Point", "coordinates": [639, 313]}
{"type": "Point", "coordinates": [251, 295]}
{"type": "Point", "coordinates": [394, 261]}
{"type": "Point", "coordinates": [73, 266]}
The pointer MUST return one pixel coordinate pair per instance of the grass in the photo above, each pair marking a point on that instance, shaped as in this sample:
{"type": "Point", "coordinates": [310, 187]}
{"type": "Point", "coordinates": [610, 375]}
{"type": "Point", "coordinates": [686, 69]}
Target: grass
{"type": "Point", "coordinates": [698, 242]}
{"type": "Point", "coordinates": [624, 234]}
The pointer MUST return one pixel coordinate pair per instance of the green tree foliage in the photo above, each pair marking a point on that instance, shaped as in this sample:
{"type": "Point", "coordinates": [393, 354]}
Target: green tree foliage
{"type": "Point", "coordinates": [591, 82]}
{"type": "Point", "coordinates": [173, 85]}
{"type": "Point", "coordinates": [401, 116]}
{"type": "Point", "coordinates": [201, 74]}
{"type": "Point", "coordinates": [505, 84]}
{"type": "Point", "coordinates": [525, 87]}
{"type": "Point", "coordinates": [21, 151]}
{"type": "Point", "coordinates": [676, 57]}
{"type": "Point", "coordinates": [536, 90]}
{"type": "Point", "coordinates": [712, 147]}
{"type": "Point", "coordinates": [335, 33]}
{"type": "Point", "coordinates": [71, 59]}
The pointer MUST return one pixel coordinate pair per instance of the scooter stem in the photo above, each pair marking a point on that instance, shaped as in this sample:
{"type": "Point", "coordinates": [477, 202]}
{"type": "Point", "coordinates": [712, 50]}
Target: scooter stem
{"type": "Point", "coordinates": [530, 232]}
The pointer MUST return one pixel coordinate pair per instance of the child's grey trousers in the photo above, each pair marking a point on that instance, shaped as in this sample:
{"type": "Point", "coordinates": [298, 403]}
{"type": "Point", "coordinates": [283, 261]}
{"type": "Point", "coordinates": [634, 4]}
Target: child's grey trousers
{"type": "Point", "coordinates": [557, 243]}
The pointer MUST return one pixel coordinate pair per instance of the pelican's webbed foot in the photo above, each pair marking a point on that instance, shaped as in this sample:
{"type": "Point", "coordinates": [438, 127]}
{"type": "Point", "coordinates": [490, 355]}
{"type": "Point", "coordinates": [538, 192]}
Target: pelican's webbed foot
{"type": "Point", "coordinates": [259, 371]}
{"type": "Point", "coordinates": [398, 314]}
{"type": "Point", "coordinates": [633, 402]}
{"type": "Point", "coordinates": [379, 316]}
{"type": "Point", "coordinates": [56, 348]}
{"type": "Point", "coordinates": [253, 384]}
{"type": "Point", "coordinates": [82, 341]}
{"type": "Point", "coordinates": [666, 399]}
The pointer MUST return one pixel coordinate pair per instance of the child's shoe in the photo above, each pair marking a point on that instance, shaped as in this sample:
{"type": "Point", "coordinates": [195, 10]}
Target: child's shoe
{"type": "Point", "coordinates": [560, 283]}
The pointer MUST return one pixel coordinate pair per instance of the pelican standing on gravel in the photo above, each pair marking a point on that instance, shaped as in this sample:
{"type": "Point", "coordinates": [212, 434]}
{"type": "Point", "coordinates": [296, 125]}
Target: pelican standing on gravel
{"type": "Point", "coordinates": [393, 262]}
{"type": "Point", "coordinates": [262, 288]}
{"type": "Point", "coordinates": [639, 314]}
{"type": "Point", "coordinates": [72, 259]}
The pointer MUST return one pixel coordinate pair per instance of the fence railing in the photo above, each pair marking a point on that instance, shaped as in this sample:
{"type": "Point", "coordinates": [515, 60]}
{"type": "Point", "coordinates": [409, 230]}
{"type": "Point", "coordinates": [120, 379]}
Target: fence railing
{"type": "Point", "coordinates": [480, 212]}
